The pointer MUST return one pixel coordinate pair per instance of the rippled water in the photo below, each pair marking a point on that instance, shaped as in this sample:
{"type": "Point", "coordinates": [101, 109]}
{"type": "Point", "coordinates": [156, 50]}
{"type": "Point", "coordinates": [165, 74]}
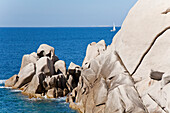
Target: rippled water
{"type": "Point", "coordinates": [70, 45]}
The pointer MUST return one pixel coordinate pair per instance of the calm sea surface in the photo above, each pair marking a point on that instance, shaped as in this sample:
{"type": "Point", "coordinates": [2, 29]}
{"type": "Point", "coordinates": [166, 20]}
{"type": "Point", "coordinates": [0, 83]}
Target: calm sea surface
{"type": "Point", "coordinates": [70, 45]}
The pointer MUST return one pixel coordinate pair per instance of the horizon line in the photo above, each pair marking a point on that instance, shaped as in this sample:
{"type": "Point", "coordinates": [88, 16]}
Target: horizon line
{"type": "Point", "coordinates": [57, 26]}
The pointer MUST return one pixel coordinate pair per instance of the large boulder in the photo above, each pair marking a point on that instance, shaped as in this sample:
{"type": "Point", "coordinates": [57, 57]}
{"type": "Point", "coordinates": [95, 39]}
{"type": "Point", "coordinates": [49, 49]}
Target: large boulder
{"type": "Point", "coordinates": [51, 93]}
{"type": "Point", "coordinates": [93, 50]}
{"type": "Point", "coordinates": [11, 81]}
{"type": "Point", "coordinates": [45, 65]}
{"type": "Point", "coordinates": [26, 59]}
{"type": "Point", "coordinates": [48, 51]}
{"type": "Point", "coordinates": [142, 29]}
{"type": "Point", "coordinates": [74, 71]}
{"type": "Point", "coordinates": [60, 66]}
{"type": "Point", "coordinates": [71, 84]}
{"type": "Point", "coordinates": [57, 81]}
{"type": "Point", "coordinates": [25, 75]}
{"type": "Point", "coordinates": [143, 46]}
{"type": "Point", "coordinates": [36, 85]}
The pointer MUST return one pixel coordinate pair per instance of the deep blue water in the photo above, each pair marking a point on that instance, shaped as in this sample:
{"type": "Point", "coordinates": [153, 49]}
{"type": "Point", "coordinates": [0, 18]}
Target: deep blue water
{"type": "Point", "coordinates": [70, 45]}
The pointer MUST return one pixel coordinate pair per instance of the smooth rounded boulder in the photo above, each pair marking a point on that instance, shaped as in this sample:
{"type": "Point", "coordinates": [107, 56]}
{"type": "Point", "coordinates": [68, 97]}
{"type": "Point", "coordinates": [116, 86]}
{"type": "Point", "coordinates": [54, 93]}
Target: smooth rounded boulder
{"type": "Point", "coordinates": [60, 66]}
{"type": "Point", "coordinates": [26, 59]}
{"type": "Point", "coordinates": [25, 75]}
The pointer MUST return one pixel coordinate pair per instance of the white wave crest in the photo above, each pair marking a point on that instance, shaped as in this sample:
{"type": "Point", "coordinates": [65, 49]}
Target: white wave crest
{"type": "Point", "coordinates": [2, 81]}
{"type": "Point", "coordinates": [16, 90]}
{"type": "Point", "coordinates": [34, 99]}
{"type": "Point", "coordinates": [5, 87]}
{"type": "Point", "coordinates": [60, 99]}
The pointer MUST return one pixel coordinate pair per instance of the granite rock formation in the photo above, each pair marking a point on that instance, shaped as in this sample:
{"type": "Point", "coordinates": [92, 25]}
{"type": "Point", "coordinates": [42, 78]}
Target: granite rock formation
{"type": "Point", "coordinates": [42, 73]}
{"type": "Point", "coordinates": [132, 74]}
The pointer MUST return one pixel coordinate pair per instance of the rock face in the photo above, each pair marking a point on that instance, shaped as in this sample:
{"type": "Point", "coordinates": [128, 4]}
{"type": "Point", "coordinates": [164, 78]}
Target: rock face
{"type": "Point", "coordinates": [132, 74]}
{"type": "Point", "coordinates": [107, 87]}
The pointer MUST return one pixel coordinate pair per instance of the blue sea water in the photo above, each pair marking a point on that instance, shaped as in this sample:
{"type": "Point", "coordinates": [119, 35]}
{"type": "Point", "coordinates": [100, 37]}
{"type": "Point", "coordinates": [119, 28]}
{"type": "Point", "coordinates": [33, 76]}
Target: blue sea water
{"type": "Point", "coordinates": [70, 45]}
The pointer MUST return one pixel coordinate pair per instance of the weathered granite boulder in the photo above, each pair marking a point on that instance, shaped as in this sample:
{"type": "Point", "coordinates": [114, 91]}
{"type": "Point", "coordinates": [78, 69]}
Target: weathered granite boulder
{"type": "Point", "coordinates": [57, 81]}
{"type": "Point", "coordinates": [51, 93]}
{"type": "Point", "coordinates": [54, 93]}
{"type": "Point", "coordinates": [36, 85]}
{"type": "Point", "coordinates": [25, 75]}
{"type": "Point", "coordinates": [48, 51]}
{"type": "Point", "coordinates": [74, 72]}
{"type": "Point", "coordinates": [44, 64]}
{"type": "Point", "coordinates": [55, 86]}
{"type": "Point", "coordinates": [71, 84]}
{"type": "Point", "coordinates": [93, 50]}
{"type": "Point", "coordinates": [11, 81]}
{"type": "Point", "coordinates": [97, 84]}
{"type": "Point", "coordinates": [26, 59]}
{"type": "Point", "coordinates": [60, 67]}
{"type": "Point", "coordinates": [143, 46]}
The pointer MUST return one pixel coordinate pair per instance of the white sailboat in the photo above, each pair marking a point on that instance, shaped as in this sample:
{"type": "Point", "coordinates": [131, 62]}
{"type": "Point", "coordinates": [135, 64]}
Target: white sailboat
{"type": "Point", "coordinates": [114, 28]}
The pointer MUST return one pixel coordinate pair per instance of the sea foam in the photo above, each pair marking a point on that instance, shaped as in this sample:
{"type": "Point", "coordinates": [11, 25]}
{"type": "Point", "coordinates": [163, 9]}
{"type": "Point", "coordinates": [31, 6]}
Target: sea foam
{"type": "Point", "coordinates": [16, 90]}
{"type": "Point", "coordinates": [2, 81]}
{"type": "Point", "coordinates": [5, 87]}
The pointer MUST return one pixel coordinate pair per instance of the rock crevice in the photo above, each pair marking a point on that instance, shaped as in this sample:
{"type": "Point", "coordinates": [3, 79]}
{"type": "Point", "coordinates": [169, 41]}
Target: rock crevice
{"type": "Point", "coordinates": [149, 48]}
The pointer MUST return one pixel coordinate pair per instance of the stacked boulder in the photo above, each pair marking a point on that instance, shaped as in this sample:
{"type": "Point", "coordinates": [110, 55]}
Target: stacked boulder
{"type": "Point", "coordinates": [42, 73]}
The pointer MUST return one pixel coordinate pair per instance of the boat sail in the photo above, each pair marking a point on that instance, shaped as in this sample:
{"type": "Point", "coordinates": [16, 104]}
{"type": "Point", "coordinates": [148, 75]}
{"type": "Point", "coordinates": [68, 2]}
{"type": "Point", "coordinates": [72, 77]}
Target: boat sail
{"type": "Point", "coordinates": [114, 28]}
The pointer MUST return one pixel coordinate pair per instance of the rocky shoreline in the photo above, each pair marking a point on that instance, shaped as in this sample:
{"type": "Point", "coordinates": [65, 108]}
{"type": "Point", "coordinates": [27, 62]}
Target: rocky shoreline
{"type": "Point", "coordinates": [129, 76]}
{"type": "Point", "coordinates": [42, 73]}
